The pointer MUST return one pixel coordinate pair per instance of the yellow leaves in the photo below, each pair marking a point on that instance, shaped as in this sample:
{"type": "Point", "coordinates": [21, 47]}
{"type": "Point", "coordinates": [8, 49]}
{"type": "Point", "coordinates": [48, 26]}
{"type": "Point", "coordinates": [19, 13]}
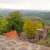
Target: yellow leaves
{"type": "Point", "coordinates": [3, 22]}
{"type": "Point", "coordinates": [38, 24]}
{"type": "Point", "coordinates": [31, 26]}
{"type": "Point", "coordinates": [28, 24]}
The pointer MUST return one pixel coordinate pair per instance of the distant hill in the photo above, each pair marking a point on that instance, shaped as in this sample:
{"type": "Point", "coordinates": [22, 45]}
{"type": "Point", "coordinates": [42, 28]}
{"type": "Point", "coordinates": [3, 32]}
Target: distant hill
{"type": "Point", "coordinates": [45, 15]}
{"type": "Point", "coordinates": [5, 12]}
{"type": "Point", "coordinates": [26, 12]}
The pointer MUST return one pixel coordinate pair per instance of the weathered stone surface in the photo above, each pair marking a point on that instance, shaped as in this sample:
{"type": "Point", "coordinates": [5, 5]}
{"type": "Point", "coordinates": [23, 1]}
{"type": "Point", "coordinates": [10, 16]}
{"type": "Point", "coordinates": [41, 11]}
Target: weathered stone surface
{"type": "Point", "coordinates": [19, 45]}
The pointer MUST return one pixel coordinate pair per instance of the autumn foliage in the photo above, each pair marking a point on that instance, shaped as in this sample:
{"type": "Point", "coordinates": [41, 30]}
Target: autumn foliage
{"type": "Point", "coordinates": [30, 27]}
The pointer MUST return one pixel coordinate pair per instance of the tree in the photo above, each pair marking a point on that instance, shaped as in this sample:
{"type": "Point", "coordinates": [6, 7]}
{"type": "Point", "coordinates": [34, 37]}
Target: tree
{"type": "Point", "coordinates": [3, 25]}
{"type": "Point", "coordinates": [15, 18]}
{"type": "Point", "coordinates": [30, 27]}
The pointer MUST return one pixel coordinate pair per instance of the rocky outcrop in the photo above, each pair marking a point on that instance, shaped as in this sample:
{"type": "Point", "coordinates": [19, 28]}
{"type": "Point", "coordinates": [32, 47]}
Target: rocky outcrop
{"type": "Point", "coordinates": [19, 45]}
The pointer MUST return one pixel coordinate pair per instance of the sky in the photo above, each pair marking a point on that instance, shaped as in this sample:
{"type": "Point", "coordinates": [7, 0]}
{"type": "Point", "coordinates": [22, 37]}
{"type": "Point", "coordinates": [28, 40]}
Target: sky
{"type": "Point", "coordinates": [25, 4]}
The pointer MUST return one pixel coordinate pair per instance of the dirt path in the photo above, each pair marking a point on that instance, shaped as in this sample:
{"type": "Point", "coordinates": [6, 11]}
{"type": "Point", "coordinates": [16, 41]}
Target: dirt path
{"type": "Point", "coordinates": [19, 45]}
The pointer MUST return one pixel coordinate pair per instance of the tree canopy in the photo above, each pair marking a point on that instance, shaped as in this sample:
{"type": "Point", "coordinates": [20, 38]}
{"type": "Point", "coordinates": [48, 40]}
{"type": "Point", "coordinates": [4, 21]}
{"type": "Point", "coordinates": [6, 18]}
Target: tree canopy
{"type": "Point", "coordinates": [16, 19]}
{"type": "Point", "coordinates": [30, 27]}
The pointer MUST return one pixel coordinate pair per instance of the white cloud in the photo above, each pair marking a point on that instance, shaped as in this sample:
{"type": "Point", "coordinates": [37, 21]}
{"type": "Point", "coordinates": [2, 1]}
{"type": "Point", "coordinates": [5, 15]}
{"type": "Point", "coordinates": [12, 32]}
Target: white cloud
{"type": "Point", "coordinates": [26, 4]}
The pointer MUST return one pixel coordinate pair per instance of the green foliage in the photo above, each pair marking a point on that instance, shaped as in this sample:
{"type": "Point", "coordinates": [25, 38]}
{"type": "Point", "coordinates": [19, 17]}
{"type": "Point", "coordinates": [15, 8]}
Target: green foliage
{"type": "Point", "coordinates": [3, 25]}
{"type": "Point", "coordinates": [15, 19]}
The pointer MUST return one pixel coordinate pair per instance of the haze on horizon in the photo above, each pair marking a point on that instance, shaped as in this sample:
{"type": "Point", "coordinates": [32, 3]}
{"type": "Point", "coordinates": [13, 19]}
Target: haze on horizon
{"type": "Point", "coordinates": [25, 4]}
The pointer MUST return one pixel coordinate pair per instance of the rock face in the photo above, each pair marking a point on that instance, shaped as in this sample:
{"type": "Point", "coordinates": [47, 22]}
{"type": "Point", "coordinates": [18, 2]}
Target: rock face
{"type": "Point", "coordinates": [41, 34]}
{"type": "Point", "coordinates": [19, 45]}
